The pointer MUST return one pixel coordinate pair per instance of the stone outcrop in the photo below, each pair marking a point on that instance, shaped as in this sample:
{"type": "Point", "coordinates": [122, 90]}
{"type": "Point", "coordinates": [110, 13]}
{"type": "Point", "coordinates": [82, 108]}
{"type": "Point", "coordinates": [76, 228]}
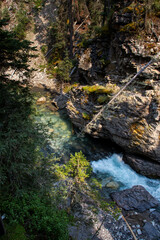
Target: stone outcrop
{"type": "Point", "coordinates": [41, 100]}
{"type": "Point", "coordinates": [60, 101]}
{"type": "Point", "coordinates": [141, 211]}
{"type": "Point", "coordinates": [145, 167]}
{"type": "Point", "coordinates": [133, 119]}
{"type": "Point", "coordinates": [130, 122]}
{"type": "Point", "coordinates": [137, 198]}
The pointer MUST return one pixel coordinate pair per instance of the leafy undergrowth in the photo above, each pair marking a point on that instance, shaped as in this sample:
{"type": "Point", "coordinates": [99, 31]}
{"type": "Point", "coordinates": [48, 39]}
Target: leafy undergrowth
{"type": "Point", "coordinates": [37, 215]}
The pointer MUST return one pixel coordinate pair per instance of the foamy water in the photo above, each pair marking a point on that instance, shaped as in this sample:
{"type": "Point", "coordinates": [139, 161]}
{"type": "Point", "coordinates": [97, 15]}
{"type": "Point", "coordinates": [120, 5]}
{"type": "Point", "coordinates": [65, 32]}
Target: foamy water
{"type": "Point", "coordinates": [122, 173]}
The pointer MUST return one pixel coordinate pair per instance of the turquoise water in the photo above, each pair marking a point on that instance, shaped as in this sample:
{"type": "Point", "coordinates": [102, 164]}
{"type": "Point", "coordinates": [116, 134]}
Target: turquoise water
{"type": "Point", "coordinates": [64, 139]}
{"type": "Point", "coordinates": [106, 163]}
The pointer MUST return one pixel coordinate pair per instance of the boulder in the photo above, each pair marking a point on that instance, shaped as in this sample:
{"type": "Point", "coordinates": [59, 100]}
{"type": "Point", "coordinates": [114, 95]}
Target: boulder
{"type": "Point", "coordinates": [60, 101]}
{"type": "Point", "coordinates": [41, 100]}
{"type": "Point", "coordinates": [151, 231]}
{"type": "Point", "coordinates": [143, 166]}
{"type": "Point", "coordinates": [155, 215]}
{"type": "Point", "coordinates": [137, 198]}
{"type": "Point", "coordinates": [113, 185]}
{"type": "Point", "coordinates": [85, 60]}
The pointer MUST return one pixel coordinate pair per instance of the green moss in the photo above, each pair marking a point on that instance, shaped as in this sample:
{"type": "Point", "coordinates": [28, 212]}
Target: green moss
{"type": "Point", "coordinates": [14, 232]}
{"type": "Point", "coordinates": [130, 27]}
{"type": "Point", "coordinates": [102, 98]}
{"type": "Point", "coordinates": [134, 8]}
{"type": "Point", "coordinates": [97, 89]}
{"type": "Point", "coordinates": [70, 87]}
{"type": "Point", "coordinates": [86, 116]}
{"type": "Point", "coordinates": [94, 183]}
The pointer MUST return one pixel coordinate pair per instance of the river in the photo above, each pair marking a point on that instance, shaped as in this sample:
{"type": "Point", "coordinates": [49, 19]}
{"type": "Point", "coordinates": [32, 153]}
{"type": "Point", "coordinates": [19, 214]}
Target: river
{"type": "Point", "coordinates": [104, 156]}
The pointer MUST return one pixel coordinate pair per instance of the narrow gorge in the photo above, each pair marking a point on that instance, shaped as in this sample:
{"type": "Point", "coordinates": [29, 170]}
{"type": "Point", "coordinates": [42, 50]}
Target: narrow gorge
{"type": "Point", "coordinates": [78, 161]}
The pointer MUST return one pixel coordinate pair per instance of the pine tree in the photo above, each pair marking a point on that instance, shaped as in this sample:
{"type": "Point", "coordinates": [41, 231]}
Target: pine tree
{"type": "Point", "coordinates": [14, 53]}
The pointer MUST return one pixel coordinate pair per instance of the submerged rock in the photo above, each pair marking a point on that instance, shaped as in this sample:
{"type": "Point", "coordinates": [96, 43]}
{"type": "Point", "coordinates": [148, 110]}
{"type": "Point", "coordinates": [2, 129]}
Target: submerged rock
{"type": "Point", "coordinates": [113, 185]}
{"type": "Point", "coordinates": [137, 198]}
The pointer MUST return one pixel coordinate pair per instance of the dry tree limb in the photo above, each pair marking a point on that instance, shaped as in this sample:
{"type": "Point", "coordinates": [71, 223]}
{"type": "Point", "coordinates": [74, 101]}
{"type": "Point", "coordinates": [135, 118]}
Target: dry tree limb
{"type": "Point", "coordinates": [129, 227]}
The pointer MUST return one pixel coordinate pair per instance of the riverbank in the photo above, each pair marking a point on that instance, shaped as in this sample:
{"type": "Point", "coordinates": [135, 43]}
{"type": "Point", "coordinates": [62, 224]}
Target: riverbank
{"type": "Point", "coordinates": [87, 211]}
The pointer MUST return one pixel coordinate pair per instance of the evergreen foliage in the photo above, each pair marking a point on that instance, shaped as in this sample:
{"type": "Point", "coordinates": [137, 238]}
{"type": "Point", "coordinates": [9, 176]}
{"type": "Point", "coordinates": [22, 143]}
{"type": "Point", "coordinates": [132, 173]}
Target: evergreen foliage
{"type": "Point", "coordinates": [18, 134]}
{"type": "Point", "coordinates": [23, 21]}
{"type": "Point", "coordinates": [64, 68]}
{"type": "Point", "coordinates": [37, 214]}
{"type": "Point", "coordinates": [14, 54]}
{"type": "Point", "coordinates": [78, 167]}
{"type": "Point", "coordinates": [23, 167]}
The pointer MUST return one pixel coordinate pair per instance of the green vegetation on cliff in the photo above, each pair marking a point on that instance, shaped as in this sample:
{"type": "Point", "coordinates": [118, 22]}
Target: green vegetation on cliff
{"type": "Point", "coordinates": [23, 200]}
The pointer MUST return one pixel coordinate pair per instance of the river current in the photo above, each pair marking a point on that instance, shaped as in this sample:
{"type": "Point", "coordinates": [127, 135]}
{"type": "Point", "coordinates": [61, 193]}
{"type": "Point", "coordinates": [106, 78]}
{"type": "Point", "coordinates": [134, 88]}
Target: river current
{"type": "Point", "coordinates": [106, 159]}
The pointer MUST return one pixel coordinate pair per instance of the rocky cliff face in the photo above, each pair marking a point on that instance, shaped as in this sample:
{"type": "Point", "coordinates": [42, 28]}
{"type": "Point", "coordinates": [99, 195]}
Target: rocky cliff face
{"type": "Point", "coordinates": [133, 119]}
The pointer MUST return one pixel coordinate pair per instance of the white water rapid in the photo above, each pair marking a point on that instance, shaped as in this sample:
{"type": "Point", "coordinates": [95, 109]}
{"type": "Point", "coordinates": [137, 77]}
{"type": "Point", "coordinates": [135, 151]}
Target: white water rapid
{"type": "Point", "coordinates": [122, 173]}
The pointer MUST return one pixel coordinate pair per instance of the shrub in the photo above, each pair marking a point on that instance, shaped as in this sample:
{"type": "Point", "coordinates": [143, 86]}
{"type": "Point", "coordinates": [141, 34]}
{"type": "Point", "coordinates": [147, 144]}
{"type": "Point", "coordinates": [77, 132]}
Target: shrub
{"type": "Point", "coordinates": [14, 232]}
{"type": "Point", "coordinates": [156, 6]}
{"type": "Point", "coordinates": [23, 22]}
{"type": "Point", "coordinates": [5, 14]}
{"type": "Point", "coordinates": [78, 167]}
{"type": "Point", "coordinates": [86, 116]}
{"type": "Point", "coordinates": [44, 49]}
{"type": "Point", "coordinates": [38, 4]}
{"type": "Point", "coordinates": [38, 216]}
{"type": "Point", "coordinates": [64, 68]}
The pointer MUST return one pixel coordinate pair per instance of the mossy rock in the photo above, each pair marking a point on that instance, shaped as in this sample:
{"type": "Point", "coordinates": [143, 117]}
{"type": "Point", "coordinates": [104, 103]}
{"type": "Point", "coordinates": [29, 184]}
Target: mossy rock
{"type": "Point", "coordinates": [97, 89]}
{"type": "Point", "coordinates": [130, 27]}
{"type": "Point", "coordinates": [14, 232]}
{"type": "Point", "coordinates": [68, 88]}
{"type": "Point", "coordinates": [86, 116]}
{"type": "Point", "coordinates": [102, 99]}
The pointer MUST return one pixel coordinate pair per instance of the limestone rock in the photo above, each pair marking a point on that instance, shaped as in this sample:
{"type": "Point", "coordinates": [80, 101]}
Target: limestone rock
{"type": "Point", "coordinates": [85, 60]}
{"type": "Point", "coordinates": [137, 198]}
{"type": "Point", "coordinates": [129, 122]}
{"type": "Point", "coordinates": [132, 120]}
{"type": "Point", "coordinates": [41, 100]}
{"type": "Point", "coordinates": [112, 185]}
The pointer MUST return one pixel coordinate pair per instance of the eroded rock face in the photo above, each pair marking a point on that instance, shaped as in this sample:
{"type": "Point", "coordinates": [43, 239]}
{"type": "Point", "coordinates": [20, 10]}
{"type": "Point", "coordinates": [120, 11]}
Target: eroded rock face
{"type": "Point", "coordinates": [137, 198]}
{"type": "Point", "coordinates": [131, 122]}
{"type": "Point", "coordinates": [133, 119]}
{"type": "Point", "coordinates": [143, 166]}
{"type": "Point", "coordinates": [60, 101]}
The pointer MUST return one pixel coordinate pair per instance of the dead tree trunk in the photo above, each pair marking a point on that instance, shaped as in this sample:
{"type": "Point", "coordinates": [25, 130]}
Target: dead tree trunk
{"type": "Point", "coordinates": [70, 17]}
